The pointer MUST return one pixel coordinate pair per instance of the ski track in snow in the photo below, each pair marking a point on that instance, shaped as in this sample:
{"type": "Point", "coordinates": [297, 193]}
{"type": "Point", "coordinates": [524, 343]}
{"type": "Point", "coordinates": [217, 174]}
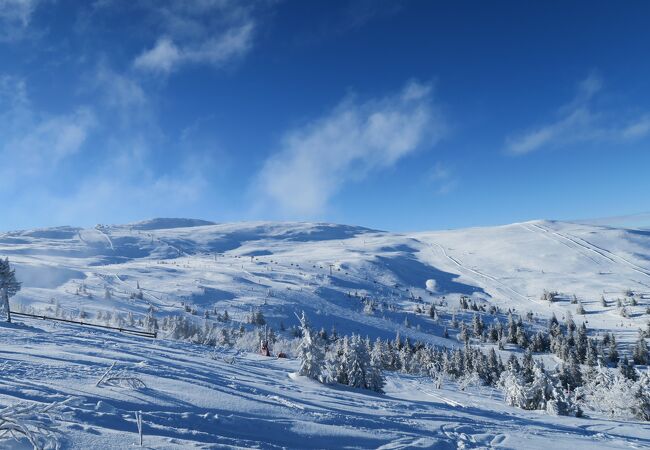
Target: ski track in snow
{"type": "Point", "coordinates": [602, 252]}
{"type": "Point", "coordinates": [107, 237]}
{"type": "Point", "coordinates": [496, 284]}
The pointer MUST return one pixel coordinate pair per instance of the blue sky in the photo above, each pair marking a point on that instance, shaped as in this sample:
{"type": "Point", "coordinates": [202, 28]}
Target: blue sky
{"type": "Point", "coordinates": [396, 115]}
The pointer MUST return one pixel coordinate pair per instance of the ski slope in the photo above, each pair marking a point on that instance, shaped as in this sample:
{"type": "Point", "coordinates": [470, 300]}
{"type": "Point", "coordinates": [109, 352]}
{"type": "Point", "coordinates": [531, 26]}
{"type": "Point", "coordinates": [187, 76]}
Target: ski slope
{"type": "Point", "coordinates": [199, 397]}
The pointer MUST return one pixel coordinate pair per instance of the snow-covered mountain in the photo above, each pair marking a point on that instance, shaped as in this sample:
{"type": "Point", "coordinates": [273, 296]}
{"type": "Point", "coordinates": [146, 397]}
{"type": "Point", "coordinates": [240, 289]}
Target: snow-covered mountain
{"type": "Point", "coordinates": [353, 279]}
{"type": "Point", "coordinates": [286, 267]}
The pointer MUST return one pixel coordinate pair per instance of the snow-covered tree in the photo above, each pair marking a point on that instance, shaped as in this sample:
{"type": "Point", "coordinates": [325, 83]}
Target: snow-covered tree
{"type": "Point", "coordinates": [614, 394]}
{"type": "Point", "coordinates": [310, 352]}
{"type": "Point", "coordinates": [357, 361]}
{"type": "Point", "coordinates": [640, 353]}
{"type": "Point", "coordinates": [9, 286]}
{"type": "Point", "coordinates": [514, 389]}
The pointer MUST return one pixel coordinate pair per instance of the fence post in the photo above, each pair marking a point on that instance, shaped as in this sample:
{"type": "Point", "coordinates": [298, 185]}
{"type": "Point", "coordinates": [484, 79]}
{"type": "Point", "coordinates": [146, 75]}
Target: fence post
{"type": "Point", "coordinates": [138, 421]}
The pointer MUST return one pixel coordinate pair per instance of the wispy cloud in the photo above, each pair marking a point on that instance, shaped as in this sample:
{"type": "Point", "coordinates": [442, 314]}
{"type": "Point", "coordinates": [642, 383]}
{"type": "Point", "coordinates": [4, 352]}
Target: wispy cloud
{"type": "Point", "coordinates": [348, 143]}
{"type": "Point", "coordinates": [127, 189]}
{"type": "Point", "coordinates": [33, 142]}
{"type": "Point", "coordinates": [198, 32]}
{"type": "Point", "coordinates": [15, 16]}
{"type": "Point", "coordinates": [581, 121]}
{"type": "Point", "coordinates": [442, 178]}
{"type": "Point", "coordinates": [113, 147]}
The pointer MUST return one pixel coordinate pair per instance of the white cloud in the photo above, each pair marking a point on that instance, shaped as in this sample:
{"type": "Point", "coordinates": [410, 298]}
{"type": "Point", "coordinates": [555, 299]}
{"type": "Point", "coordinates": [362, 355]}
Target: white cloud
{"type": "Point", "coordinates": [638, 129]}
{"type": "Point", "coordinates": [198, 32]}
{"type": "Point", "coordinates": [161, 58]}
{"type": "Point", "coordinates": [580, 121]}
{"type": "Point", "coordinates": [317, 160]}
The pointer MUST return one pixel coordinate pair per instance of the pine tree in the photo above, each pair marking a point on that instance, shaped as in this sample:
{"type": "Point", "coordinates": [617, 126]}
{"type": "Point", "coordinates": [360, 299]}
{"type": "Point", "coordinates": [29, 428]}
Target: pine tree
{"type": "Point", "coordinates": [640, 353]}
{"type": "Point", "coordinates": [591, 356]}
{"type": "Point", "coordinates": [374, 377]}
{"type": "Point", "coordinates": [514, 388]}
{"type": "Point", "coordinates": [463, 335]}
{"type": "Point", "coordinates": [527, 363]}
{"type": "Point", "coordinates": [9, 286]}
{"type": "Point", "coordinates": [477, 326]}
{"type": "Point", "coordinates": [355, 362]}
{"type": "Point", "coordinates": [627, 369]}
{"type": "Point", "coordinates": [570, 324]}
{"type": "Point", "coordinates": [310, 352]}
{"type": "Point", "coordinates": [404, 358]}
{"type": "Point", "coordinates": [581, 343]}
{"type": "Point", "coordinates": [432, 311]}
{"type": "Point", "coordinates": [612, 355]}
{"type": "Point", "coordinates": [336, 361]}
{"type": "Point", "coordinates": [522, 338]}
{"type": "Point", "coordinates": [512, 329]}
{"type": "Point", "coordinates": [150, 322]}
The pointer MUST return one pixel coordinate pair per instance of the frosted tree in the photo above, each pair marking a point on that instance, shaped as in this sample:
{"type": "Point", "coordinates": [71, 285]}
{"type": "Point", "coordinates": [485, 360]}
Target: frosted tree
{"type": "Point", "coordinates": [477, 326]}
{"type": "Point", "coordinates": [9, 286]}
{"type": "Point", "coordinates": [375, 378]}
{"type": "Point", "coordinates": [357, 360]}
{"type": "Point", "coordinates": [310, 352]}
{"type": "Point", "coordinates": [514, 388]}
{"type": "Point", "coordinates": [616, 395]}
{"type": "Point", "coordinates": [640, 353]}
{"type": "Point", "coordinates": [541, 388]}
{"type": "Point", "coordinates": [432, 312]}
{"type": "Point", "coordinates": [150, 322]}
{"type": "Point", "coordinates": [335, 362]}
{"type": "Point", "coordinates": [612, 355]}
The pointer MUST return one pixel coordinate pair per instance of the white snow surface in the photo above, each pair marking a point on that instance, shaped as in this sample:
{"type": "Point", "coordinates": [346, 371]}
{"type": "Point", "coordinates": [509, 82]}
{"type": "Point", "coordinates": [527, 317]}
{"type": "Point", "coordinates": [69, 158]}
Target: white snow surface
{"type": "Point", "coordinates": [202, 397]}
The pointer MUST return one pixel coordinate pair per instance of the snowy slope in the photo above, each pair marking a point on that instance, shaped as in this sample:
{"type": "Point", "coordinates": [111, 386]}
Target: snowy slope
{"type": "Point", "coordinates": [284, 267]}
{"type": "Point", "coordinates": [195, 397]}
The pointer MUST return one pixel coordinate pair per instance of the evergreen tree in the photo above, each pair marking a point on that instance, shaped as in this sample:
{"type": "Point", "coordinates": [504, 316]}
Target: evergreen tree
{"type": "Point", "coordinates": [356, 361]}
{"type": "Point", "coordinates": [463, 335]}
{"type": "Point", "coordinates": [581, 343]}
{"type": "Point", "coordinates": [522, 338]}
{"type": "Point", "coordinates": [591, 356]}
{"type": "Point", "coordinates": [527, 363]}
{"type": "Point", "coordinates": [310, 352]}
{"type": "Point", "coordinates": [512, 329]}
{"type": "Point", "coordinates": [627, 369]}
{"type": "Point", "coordinates": [374, 378]}
{"type": "Point", "coordinates": [432, 311]}
{"type": "Point", "coordinates": [477, 326]}
{"type": "Point", "coordinates": [9, 286]}
{"type": "Point", "coordinates": [640, 353]}
{"type": "Point", "coordinates": [612, 354]}
{"type": "Point", "coordinates": [335, 370]}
